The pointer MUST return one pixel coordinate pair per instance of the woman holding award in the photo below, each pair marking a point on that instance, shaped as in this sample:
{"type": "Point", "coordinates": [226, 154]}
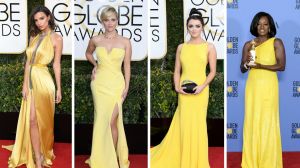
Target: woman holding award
{"type": "Point", "coordinates": [34, 138]}
{"type": "Point", "coordinates": [186, 144]}
{"type": "Point", "coordinates": [261, 138]}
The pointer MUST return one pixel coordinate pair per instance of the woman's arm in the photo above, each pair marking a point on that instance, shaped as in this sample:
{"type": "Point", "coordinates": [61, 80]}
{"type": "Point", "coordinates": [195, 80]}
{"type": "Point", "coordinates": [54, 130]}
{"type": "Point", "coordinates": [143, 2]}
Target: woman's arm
{"type": "Point", "coordinates": [25, 88]}
{"type": "Point", "coordinates": [126, 66]}
{"type": "Point", "coordinates": [177, 71]}
{"type": "Point", "coordinates": [245, 58]}
{"type": "Point", "coordinates": [89, 56]}
{"type": "Point", "coordinates": [212, 60]}
{"type": "Point", "coordinates": [280, 58]}
{"type": "Point", "coordinates": [58, 46]}
{"type": "Point", "coordinates": [89, 52]}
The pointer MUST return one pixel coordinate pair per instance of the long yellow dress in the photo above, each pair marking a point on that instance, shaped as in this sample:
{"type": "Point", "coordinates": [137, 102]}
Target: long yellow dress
{"type": "Point", "coordinates": [107, 88]}
{"type": "Point", "coordinates": [262, 142]}
{"type": "Point", "coordinates": [42, 93]}
{"type": "Point", "coordinates": [186, 144]}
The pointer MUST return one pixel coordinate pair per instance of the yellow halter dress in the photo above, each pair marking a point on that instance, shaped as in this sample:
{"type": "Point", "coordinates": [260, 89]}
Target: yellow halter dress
{"type": "Point", "coordinates": [40, 52]}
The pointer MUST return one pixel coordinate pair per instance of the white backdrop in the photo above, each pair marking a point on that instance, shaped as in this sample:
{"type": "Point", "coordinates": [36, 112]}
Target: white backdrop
{"type": "Point", "coordinates": [133, 24]}
{"type": "Point", "coordinates": [13, 26]}
{"type": "Point", "coordinates": [61, 10]}
{"type": "Point", "coordinates": [213, 12]}
{"type": "Point", "coordinates": [158, 29]}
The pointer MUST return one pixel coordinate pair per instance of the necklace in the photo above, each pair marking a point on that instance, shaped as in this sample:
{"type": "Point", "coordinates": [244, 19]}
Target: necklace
{"type": "Point", "coordinates": [110, 37]}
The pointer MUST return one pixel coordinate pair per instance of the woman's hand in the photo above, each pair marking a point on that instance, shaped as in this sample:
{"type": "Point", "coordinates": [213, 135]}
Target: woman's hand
{"type": "Point", "coordinates": [181, 91]}
{"type": "Point", "coordinates": [257, 65]}
{"type": "Point", "coordinates": [25, 92]}
{"type": "Point", "coordinates": [94, 72]}
{"type": "Point", "coordinates": [124, 94]}
{"type": "Point", "coordinates": [198, 89]}
{"type": "Point", "coordinates": [58, 96]}
{"type": "Point", "coordinates": [249, 57]}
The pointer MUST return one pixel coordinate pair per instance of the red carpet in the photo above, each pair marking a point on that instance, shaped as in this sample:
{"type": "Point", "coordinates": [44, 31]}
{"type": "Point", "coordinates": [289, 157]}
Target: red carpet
{"type": "Point", "coordinates": [62, 152]}
{"type": "Point", "coordinates": [290, 159]}
{"type": "Point", "coordinates": [216, 157]}
{"type": "Point", "coordinates": [136, 161]}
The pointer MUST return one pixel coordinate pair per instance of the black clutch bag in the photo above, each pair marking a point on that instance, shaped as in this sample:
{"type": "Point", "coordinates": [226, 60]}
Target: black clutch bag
{"type": "Point", "coordinates": [188, 86]}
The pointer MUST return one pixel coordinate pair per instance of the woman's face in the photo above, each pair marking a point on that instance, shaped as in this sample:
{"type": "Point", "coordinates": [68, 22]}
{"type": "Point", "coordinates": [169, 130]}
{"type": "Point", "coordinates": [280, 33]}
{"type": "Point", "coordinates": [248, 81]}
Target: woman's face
{"type": "Point", "coordinates": [194, 28]}
{"type": "Point", "coordinates": [263, 26]}
{"type": "Point", "coordinates": [110, 23]}
{"type": "Point", "coordinates": [41, 20]}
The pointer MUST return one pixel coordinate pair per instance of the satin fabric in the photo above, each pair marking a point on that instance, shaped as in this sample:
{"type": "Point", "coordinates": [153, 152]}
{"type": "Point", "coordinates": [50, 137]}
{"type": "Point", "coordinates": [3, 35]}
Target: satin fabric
{"type": "Point", "coordinates": [107, 88]}
{"type": "Point", "coordinates": [261, 138]}
{"type": "Point", "coordinates": [42, 94]}
{"type": "Point", "coordinates": [186, 144]}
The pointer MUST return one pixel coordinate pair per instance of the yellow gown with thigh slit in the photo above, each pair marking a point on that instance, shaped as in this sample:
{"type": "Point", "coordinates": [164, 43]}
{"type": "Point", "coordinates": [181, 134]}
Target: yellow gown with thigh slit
{"type": "Point", "coordinates": [42, 93]}
{"type": "Point", "coordinates": [261, 139]}
{"type": "Point", "coordinates": [107, 89]}
{"type": "Point", "coordinates": [186, 144]}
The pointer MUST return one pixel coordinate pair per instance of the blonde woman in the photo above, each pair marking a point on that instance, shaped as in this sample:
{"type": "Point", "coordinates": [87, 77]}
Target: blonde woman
{"type": "Point", "coordinates": [109, 89]}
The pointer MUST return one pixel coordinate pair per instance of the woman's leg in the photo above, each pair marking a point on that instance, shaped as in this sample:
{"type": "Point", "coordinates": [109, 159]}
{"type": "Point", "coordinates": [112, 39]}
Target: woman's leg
{"type": "Point", "coordinates": [34, 135]}
{"type": "Point", "coordinates": [114, 126]}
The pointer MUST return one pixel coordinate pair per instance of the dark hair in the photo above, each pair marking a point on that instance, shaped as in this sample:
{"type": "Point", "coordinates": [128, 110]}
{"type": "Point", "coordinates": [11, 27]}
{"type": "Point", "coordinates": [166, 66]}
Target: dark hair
{"type": "Point", "coordinates": [34, 30]}
{"type": "Point", "coordinates": [255, 20]}
{"type": "Point", "coordinates": [195, 15]}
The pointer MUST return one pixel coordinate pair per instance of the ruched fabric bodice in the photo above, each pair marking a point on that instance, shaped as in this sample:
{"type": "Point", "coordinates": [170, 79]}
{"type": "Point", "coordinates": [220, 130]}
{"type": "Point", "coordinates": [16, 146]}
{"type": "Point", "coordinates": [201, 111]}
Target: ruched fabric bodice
{"type": "Point", "coordinates": [107, 89]}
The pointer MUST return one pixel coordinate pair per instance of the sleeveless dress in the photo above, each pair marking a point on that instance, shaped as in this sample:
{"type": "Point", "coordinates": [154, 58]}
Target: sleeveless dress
{"type": "Point", "coordinates": [186, 144]}
{"type": "Point", "coordinates": [107, 89]}
{"type": "Point", "coordinates": [262, 142]}
{"type": "Point", "coordinates": [40, 52]}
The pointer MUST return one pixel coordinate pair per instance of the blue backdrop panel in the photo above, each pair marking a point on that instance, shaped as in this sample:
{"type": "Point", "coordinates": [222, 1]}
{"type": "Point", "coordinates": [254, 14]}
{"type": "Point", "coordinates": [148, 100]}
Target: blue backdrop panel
{"type": "Point", "coordinates": [286, 14]}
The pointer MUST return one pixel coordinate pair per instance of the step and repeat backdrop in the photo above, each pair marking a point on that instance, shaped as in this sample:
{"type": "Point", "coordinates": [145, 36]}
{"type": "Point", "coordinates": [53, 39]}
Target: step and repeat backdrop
{"type": "Point", "coordinates": [213, 12]}
{"type": "Point", "coordinates": [14, 24]}
{"type": "Point", "coordinates": [133, 24]}
{"type": "Point", "coordinates": [286, 15]}
{"type": "Point", "coordinates": [61, 10]}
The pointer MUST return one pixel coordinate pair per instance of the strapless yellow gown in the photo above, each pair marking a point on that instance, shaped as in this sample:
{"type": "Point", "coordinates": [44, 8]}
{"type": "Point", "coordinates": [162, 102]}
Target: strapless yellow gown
{"type": "Point", "coordinates": [186, 144]}
{"type": "Point", "coordinates": [262, 142]}
{"type": "Point", "coordinates": [42, 92]}
{"type": "Point", "coordinates": [107, 89]}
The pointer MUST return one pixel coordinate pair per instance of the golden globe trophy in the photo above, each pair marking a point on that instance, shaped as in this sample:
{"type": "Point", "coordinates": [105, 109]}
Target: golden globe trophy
{"type": "Point", "coordinates": [252, 53]}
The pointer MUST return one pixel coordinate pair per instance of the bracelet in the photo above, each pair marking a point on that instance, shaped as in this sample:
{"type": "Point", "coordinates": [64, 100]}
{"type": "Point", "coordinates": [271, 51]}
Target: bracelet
{"type": "Point", "coordinates": [245, 66]}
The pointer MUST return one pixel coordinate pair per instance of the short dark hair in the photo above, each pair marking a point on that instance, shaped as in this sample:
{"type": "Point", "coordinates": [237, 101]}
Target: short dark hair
{"type": "Point", "coordinates": [34, 30]}
{"type": "Point", "coordinates": [195, 15]}
{"type": "Point", "coordinates": [255, 20]}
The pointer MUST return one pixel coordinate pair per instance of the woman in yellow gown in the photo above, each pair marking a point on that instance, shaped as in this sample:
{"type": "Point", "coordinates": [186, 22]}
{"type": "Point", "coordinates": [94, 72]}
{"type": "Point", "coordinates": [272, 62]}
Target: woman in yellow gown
{"type": "Point", "coordinates": [186, 144]}
{"type": "Point", "coordinates": [261, 139]}
{"type": "Point", "coordinates": [34, 138]}
{"type": "Point", "coordinates": [109, 89]}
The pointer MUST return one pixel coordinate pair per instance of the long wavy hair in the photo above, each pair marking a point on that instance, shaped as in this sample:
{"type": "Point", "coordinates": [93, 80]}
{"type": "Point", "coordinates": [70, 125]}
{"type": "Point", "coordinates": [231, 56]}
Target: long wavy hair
{"type": "Point", "coordinates": [34, 30]}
